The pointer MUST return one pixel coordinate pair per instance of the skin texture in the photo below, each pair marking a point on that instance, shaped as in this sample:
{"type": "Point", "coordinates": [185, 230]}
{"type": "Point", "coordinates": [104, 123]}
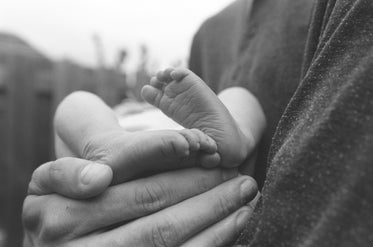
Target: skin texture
{"type": "Point", "coordinates": [97, 136]}
{"type": "Point", "coordinates": [157, 208]}
{"type": "Point", "coordinates": [67, 197]}
{"type": "Point", "coordinates": [185, 98]}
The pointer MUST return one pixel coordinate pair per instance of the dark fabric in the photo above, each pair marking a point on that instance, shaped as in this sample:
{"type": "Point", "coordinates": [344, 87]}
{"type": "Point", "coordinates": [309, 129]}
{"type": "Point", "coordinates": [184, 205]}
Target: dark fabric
{"type": "Point", "coordinates": [261, 51]}
{"type": "Point", "coordinates": [216, 44]}
{"type": "Point", "coordinates": [319, 185]}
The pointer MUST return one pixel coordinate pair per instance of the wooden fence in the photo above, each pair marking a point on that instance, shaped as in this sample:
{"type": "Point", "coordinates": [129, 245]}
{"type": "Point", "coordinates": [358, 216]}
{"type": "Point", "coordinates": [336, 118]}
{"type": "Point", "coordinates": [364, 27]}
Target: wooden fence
{"type": "Point", "coordinates": [30, 89]}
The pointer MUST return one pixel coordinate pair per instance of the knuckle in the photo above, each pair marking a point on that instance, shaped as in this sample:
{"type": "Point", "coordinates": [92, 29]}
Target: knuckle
{"type": "Point", "coordinates": [224, 206]}
{"type": "Point", "coordinates": [53, 225]}
{"type": "Point", "coordinates": [88, 149]}
{"type": "Point", "coordinates": [95, 149]}
{"type": "Point", "coordinates": [30, 216]}
{"type": "Point", "coordinates": [164, 234]}
{"type": "Point", "coordinates": [89, 152]}
{"type": "Point", "coordinates": [226, 234]}
{"type": "Point", "coordinates": [50, 228]}
{"type": "Point", "coordinates": [204, 182]}
{"type": "Point", "coordinates": [151, 197]}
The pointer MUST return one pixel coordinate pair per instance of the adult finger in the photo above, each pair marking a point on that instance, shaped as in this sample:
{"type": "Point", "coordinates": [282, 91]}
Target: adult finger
{"type": "Point", "coordinates": [224, 232]}
{"type": "Point", "coordinates": [174, 225]}
{"type": "Point", "coordinates": [70, 177]}
{"type": "Point", "coordinates": [119, 203]}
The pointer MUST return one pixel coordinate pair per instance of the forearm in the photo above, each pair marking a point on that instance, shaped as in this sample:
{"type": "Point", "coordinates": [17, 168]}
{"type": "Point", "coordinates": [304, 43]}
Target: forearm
{"type": "Point", "coordinates": [78, 117]}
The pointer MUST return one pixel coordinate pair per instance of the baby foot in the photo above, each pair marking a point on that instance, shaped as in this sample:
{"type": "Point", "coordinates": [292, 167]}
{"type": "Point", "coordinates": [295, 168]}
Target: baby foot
{"type": "Point", "coordinates": [185, 98]}
{"type": "Point", "coordinates": [133, 154]}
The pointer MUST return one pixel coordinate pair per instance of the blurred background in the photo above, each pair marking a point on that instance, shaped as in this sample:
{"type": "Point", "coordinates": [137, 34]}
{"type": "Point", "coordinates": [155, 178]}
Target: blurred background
{"type": "Point", "coordinates": [49, 49]}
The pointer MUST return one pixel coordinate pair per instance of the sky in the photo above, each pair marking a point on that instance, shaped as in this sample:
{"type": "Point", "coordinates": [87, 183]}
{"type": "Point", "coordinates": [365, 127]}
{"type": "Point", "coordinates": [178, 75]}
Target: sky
{"type": "Point", "coordinates": [65, 28]}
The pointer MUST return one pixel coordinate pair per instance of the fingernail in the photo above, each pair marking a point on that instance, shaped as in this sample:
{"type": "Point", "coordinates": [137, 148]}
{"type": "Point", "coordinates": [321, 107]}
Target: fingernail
{"type": "Point", "coordinates": [242, 218]}
{"type": "Point", "coordinates": [229, 173]}
{"type": "Point", "coordinates": [246, 190]}
{"type": "Point", "coordinates": [90, 172]}
{"type": "Point", "coordinates": [254, 201]}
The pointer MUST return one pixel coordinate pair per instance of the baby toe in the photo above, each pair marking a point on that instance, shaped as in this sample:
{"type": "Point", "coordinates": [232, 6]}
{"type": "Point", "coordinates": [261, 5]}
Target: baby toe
{"type": "Point", "coordinates": [208, 145]}
{"type": "Point", "coordinates": [179, 73]}
{"type": "Point", "coordinates": [167, 74]}
{"type": "Point", "coordinates": [175, 145]}
{"type": "Point", "coordinates": [209, 160]}
{"type": "Point", "coordinates": [192, 138]}
{"type": "Point", "coordinates": [156, 83]}
{"type": "Point", "coordinates": [151, 95]}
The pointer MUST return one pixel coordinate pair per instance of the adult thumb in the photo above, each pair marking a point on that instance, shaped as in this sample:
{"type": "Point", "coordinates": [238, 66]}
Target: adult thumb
{"type": "Point", "coordinates": [71, 177]}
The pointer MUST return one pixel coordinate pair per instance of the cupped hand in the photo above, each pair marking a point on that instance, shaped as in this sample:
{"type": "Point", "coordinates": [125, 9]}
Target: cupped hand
{"type": "Point", "coordinates": [194, 207]}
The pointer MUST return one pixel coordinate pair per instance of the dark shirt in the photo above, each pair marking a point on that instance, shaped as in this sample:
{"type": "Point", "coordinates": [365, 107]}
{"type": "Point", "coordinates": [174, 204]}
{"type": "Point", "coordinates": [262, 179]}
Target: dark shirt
{"type": "Point", "coordinates": [261, 51]}
{"type": "Point", "coordinates": [318, 189]}
{"type": "Point", "coordinates": [215, 47]}
{"type": "Point", "coordinates": [319, 185]}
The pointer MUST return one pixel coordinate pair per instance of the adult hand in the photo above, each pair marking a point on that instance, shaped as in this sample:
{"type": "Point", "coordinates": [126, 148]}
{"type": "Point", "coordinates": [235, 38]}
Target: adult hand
{"type": "Point", "coordinates": [95, 135]}
{"type": "Point", "coordinates": [208, 207]}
